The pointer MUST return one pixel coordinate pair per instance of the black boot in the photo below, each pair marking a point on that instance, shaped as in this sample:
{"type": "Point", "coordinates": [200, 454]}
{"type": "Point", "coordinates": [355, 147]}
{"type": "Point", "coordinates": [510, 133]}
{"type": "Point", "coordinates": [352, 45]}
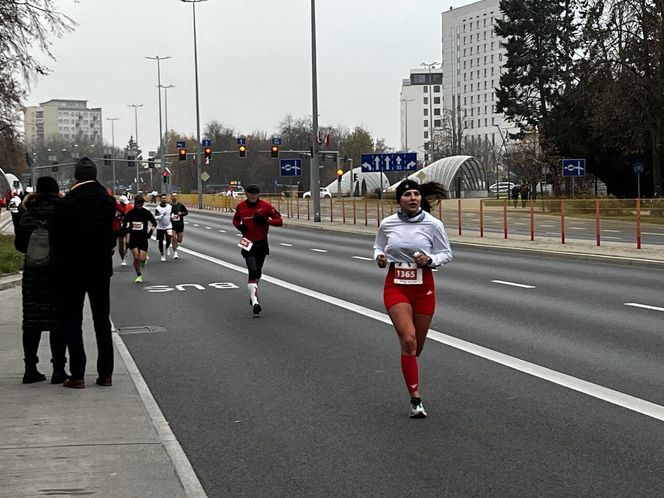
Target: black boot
{"type": "Point", "coordinates": [59, 373]}
{"type": "Point", "coordinates": [32, 375]}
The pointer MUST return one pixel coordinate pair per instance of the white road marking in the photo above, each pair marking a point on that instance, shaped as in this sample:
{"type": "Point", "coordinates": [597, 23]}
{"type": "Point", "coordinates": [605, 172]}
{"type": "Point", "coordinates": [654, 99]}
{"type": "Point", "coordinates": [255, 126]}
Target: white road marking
{"type": "Point", "coordinates": [594, 390]}
{"type": "Point", "coordinates": [318, 250]}
{"type": "Point", "coordinates": [652, 233]}
{"type": "Point", "coordinates": [238, 235]}
{"type": "Point", "coordinates": [577, 228]}
{"type": "Point", "coordinates": [208, 228]}
{"type": "Point", "coordinates": [195, 224]}
{"type": "Point", "coordinates": [362, 258]}
{"type": "Point", "coordinates": [222, 231]}
{"type": "Point", "coordinates": [285, 244]}
{"type": "Point", "coordinates": [612, 238]}
{"type": "Point", "coordinates": [611, 231]}
{"type": "Point", "coordinates": [513, 284]}
{"type": "Point", "coordinates": [645, 306]}
{"type": "Point", "coordinates": [547, 226]}
{"type": "Point", "coordinates": [186, 222]}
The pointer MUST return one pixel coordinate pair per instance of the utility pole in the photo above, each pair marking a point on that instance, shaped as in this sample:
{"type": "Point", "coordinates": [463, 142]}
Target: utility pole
{"type": "Point", "coordinates": [161, 132]}
{"type": "Point", "coordinates": [315, 174]}
{"type": "Point", "coordinates": [112, 120]}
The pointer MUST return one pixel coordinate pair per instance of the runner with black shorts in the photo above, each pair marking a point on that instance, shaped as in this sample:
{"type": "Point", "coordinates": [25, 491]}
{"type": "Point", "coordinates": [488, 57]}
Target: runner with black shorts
{"type": "Point", "coordinates": [136, 224]}
{"type": "Point", "coordinates": [162, 214]}
{"type": "Point", "coordinates": [413, 242]}
{"type": "Point", "coordinates": [178, 212]}
{"type": "Point", "coordinates": [253, 217]}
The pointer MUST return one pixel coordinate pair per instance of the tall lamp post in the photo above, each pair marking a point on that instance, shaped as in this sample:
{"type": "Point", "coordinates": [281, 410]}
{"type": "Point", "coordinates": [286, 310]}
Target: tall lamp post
{"type": "Point", "coordinates": [161, 132]}
{"type": "Point", "coordinates": [405, 101]}
{"type": "Point", "coordinates": [198, 114]}
{"type": "Point", "coordinates": [136, 106]}
{"type": "Point", "coordinates": [112, 120]}
{"type": "Point", "coordinates": [165, 87]}
{"type": "Point", "coordinates": [503, 150]}
{"type": "Point", "coordinates": [314, 174]}
{"type": "Point", "coordinates": [430, 66]}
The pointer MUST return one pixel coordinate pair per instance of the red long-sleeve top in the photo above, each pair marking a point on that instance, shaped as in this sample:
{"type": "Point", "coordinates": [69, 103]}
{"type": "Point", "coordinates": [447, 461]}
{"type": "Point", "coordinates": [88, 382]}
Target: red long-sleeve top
{"type": "Point", "coordinates": [244, 215]}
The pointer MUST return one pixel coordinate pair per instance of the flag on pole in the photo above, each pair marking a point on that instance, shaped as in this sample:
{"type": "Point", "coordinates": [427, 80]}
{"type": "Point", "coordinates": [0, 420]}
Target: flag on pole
{"type": "Point", "coordinates": [327, 137]}
{"type": "Point", "coordinates": [319, 137]}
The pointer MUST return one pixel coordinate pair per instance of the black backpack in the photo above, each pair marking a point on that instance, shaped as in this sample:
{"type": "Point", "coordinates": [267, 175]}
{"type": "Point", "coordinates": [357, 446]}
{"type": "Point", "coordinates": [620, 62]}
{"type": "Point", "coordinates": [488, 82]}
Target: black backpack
{"type": "Point", "coordinates": [40, 250]}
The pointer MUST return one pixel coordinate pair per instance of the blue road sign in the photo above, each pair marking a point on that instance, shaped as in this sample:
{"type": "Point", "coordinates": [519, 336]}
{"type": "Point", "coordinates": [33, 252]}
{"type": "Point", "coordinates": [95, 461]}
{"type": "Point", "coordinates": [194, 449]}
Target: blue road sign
{"type": "Point", "coordinates": [180, 144]}
{"type": "Point", "coordinates": [276, 140]}
{"type": "Point", "coordinates": [401, 161]}
{"type": "Point", "coordinates": [290, 167]}
{"type": "Point", "coordinates": [241, 141]}
{"type": "Point", "coordinates": [206, 142]}
{"type": "Point", "coordinates": [639, 168]}
{"type": "Point", "coordinates": [574, 167]}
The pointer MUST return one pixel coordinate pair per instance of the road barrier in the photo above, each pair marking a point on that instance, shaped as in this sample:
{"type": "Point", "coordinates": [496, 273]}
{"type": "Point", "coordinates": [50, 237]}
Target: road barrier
{"type": "Point", "coordinates": [637, 221]}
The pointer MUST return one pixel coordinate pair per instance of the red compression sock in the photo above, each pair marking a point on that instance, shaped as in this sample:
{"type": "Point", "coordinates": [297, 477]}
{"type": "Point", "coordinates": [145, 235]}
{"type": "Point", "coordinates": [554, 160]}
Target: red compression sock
{"type": "Point", "coordinates": [410, 372]}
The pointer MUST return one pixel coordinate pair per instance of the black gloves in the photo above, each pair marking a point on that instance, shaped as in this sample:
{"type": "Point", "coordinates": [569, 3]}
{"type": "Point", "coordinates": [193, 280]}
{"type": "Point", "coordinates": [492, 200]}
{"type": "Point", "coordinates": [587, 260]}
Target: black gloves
{"type": "Point", "coordinates": [259, 219]}
{"type": "Point", "coordinates": [243, 228]}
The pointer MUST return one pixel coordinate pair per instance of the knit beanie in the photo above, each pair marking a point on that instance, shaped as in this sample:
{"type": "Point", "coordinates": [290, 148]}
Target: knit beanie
{"type": "Point", "coordinates": [86, 169]}
{"type": "Point", "coordinates": [47, 185]}
{"type": "Point", "coordinates": [406, 185]}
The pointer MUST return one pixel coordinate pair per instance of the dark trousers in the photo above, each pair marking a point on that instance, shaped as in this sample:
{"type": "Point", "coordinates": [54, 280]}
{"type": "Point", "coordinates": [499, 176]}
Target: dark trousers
{"type": "Point", "coordinates": [97, 287]}
{"type": "Point", "coordinates": [255, 260]}
{"type": "Point", "coordinates": [31, 338]}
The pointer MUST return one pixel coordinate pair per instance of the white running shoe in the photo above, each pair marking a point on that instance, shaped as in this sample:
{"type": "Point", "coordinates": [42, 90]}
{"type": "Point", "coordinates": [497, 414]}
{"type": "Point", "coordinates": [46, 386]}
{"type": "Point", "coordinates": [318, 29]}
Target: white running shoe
{"type": "Point", "coordinates": [163, 258]}
{"type": "Point", "coordinates": [416, 408]}
{"type": "Point", "coordinates": [175, 255]}
{"type": "Point", "coordinates": [168, 251]}
{"type": "Point", "coordinates": [124, 263]}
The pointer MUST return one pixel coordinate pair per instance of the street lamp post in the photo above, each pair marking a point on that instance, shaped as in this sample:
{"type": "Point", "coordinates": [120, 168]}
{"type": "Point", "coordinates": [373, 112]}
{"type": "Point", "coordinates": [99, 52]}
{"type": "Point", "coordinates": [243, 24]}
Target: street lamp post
{"type": "Point", "coordinates": [429, 66]}
{"type": "Point", "coordinates": [161, 133]}
{"type": "Point", "coordinates": [136, 106]}
{"type": "Point", "coordinates": [503, 149]}
{"type": "Point", "coordinates": [198, 115]}
{"type": "Point", "coordinates": [165, 87]}
{"type": "Point", "coordinates": [112, 120]}
{"type": "Point", "coordinates": [314, 174]}
{"type": "Point", "coordinates": [405, 101]}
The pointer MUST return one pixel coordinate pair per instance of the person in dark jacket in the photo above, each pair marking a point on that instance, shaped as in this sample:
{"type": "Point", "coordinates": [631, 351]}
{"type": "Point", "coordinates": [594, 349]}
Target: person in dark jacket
{"type": "Point", "coordinates": [84, 241]}
{"type": "Point", "coordinates": [39, 287]}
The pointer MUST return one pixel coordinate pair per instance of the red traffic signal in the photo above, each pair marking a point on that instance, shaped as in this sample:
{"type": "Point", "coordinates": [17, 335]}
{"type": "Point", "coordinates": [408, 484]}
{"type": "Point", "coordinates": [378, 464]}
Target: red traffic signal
{"type": "Point", "coordinates": [182, 154]}
{"type": "Point", "coordinates": [274, 151]}
{"type": "Point", "coordinates": [340, 173]}
{"type": "Point", "coordinates": [208, 152]}
{"type": "Point", "coordinates": [242, 150]}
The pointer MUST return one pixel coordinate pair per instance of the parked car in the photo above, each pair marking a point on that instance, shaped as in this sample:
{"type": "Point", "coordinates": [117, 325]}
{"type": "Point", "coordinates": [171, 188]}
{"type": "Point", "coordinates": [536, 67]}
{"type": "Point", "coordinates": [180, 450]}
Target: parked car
{"type": "Point", "coordinates": [324, 193]}
{"type": "Point", "coordinates": [501, 187]}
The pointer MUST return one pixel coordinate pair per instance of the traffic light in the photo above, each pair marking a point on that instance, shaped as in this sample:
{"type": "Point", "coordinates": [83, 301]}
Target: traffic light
{"type": "Point", "coordinates": [130, 161]}
{"type": "Point", "coordinates": [242, 150]}
{"type": "Point", "coordinates": [340, 173]}
{"type": "Point", "coordinates": [182, 154]}
{"type": "Point", "coordinates": [54, 166]}
{"type": "Point", "coordinates": [208, 152]}
{"type": "Point", "coordinates": [150, 162]}
{"type": "Point", "coordinates": [354, 177]}
{"type": "Point", "coordinates": [107, 159]}
{"type": "Point", "coordinates": [274, 151]}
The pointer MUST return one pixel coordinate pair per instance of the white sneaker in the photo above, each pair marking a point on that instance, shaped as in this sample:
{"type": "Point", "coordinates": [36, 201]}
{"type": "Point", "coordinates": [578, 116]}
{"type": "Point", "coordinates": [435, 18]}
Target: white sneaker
{"type": "Point", "coordinates": [163, 258]}
{"type": "Point", "coordinates": [175, 255]}
{"type": "Point", "coordinates": [124, 263]}
{"type": "Point", "coordinates": [168, 251]}
{"type": "Point", "coordinates": [416, 408]}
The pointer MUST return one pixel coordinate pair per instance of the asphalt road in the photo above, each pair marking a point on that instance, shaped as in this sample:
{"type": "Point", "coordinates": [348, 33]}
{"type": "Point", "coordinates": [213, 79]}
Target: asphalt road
{"type": "Point", "coordinates": [525, 376]}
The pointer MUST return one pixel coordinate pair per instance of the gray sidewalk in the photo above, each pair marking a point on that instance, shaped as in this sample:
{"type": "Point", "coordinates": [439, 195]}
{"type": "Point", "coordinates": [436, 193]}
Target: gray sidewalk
{"type": "Point", "coordinates": [103, 441]}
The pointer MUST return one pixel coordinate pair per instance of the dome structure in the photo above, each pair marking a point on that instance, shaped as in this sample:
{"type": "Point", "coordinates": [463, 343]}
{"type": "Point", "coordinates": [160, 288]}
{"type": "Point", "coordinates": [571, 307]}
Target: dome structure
{"type": "Point", "coordinates": [449, 171]}
{"type": "Point", "coordinates": [361, 182]}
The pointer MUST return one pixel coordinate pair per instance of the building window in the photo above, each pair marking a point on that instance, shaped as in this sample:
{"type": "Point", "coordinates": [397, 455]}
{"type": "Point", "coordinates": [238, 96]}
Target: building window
{"type": "Point", "coordinates": [426, 123]}
{"type": "Point", "coordinates": [426, 134]}
{"type": "Point", "coordinates": [425, 89]}
{"type": "Point", "coordinates": [436, 123]}
{"type": "Point", "coordinates": [436, 100]}
{"type": "Point", "coordinates": [436, 111]}
{"type": "Point", "coordinates": [426, 111]}
{"type": "Point", "coordinates": [425, 100]}
{"type": "Point", "coordinates": [436, 89]}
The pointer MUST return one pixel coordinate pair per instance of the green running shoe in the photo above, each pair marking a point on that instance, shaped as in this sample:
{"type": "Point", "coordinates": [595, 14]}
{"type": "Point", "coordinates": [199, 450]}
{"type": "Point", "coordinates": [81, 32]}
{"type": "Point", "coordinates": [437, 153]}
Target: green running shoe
{"type": "Point", "coordinates": [139, 279]}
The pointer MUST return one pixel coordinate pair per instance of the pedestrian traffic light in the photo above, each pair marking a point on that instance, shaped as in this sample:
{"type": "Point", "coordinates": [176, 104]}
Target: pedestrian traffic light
{"type": "Point", "coordinates": [107, 159]}
{"type": "Point", "coordinates": [354, 177]}
{"type": "Point", "coordinates": [274, 151]}
{"type": "Point", "coordinates": [208, 152]}
{"type": "Point", "coordinates": [130, 161]}
{"type": "Point", "coordinates": [182, 154]}
{"type": "Point", "coordinates": [150, 162]}
{"type": "Point", "coordinates": [242, 150]}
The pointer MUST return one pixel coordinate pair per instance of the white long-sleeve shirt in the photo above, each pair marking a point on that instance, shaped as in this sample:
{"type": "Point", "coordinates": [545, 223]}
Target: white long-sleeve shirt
{"type": "Point", "coordinates": [163, 217]}
{"type": "Point", "coordinates": [398, 238]}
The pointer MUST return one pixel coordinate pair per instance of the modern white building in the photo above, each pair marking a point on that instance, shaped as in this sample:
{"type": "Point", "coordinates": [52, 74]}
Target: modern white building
{"type": "Point", "coordinates": [472, 61]}
{"type": "Point", "coordinates": [65, 120]}
{"type": "Point", "coordinates": [421, 109]}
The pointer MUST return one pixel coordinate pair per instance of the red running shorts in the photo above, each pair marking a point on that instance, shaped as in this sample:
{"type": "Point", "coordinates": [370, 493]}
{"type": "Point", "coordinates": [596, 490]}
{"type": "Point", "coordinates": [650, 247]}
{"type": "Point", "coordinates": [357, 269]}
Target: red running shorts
{"type": "Point", "coordinates": [422, 297]}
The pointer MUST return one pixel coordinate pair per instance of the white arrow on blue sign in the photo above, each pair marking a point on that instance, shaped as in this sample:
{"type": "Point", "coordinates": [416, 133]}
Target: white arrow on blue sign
{"type": "Point", "coordinates": [401, 161]}
{"type": "Point", "coordinates": [206, 142]}
{"type": "Point", "coordinates": [639, 168]}
{"type": "Point", "coordinates": [574, 167]}
{"type": "Point", "coordinates": [180, 144]}
{"type": "Point", "coordinates": [290, 167]}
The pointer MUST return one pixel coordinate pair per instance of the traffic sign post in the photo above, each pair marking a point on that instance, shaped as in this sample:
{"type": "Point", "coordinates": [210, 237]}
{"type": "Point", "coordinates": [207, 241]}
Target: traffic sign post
{"type": "Point", "coordinates": [373, 163]}
{"type": "Point", "coordinates": [290, 167]}
{"type": "Point", "coordinates": [573, 168]}
{"type": "Point", "coordinates": [638, 169]}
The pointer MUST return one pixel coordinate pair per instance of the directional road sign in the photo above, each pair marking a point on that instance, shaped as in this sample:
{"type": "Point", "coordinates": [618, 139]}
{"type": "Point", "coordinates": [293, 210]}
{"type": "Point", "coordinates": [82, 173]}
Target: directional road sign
{"type": "Point", "coordinates": [241, 140]}
{"type": "Point", "coordinates": [403, 161]}
{"type": "Point", "coordinates": [180, 144]}
{"type": "Point", "coordinates": [290, 167]}
{"type": "Point", "coordinates": [574, 167]}
{"type": "Point", "coordinates": [639, 168]}
{"type": "Point", "coordinates": [206, 142]}
{"type": "Point", "coordinates": [276, 140]}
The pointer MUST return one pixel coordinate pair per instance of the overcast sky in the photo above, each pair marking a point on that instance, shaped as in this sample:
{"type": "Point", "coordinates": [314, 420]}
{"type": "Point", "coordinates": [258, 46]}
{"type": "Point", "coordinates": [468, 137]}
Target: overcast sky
{"type": "Point", "coordinates": [254, 59]}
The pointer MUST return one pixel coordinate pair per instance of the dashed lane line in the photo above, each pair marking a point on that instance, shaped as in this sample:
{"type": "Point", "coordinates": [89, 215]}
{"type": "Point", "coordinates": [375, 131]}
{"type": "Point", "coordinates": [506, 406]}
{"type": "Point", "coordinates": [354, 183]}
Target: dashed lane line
{"type": "Point", "coordinates": [594, 390]}
{"type": "Point", "coordinates": [222, 231]}
{"type": "Point", "coordinates": [363, 258]}
{"type": "Point", "coordinates": [208, 228]}
{"type": "Point", "coordinates": [285, 244]}
{"type": "Point", "coordinates": [318, 250]}
{"type": "Point", "coordinates": [645, 306]}
{"type": "Point", "coordinates": [513, 284]}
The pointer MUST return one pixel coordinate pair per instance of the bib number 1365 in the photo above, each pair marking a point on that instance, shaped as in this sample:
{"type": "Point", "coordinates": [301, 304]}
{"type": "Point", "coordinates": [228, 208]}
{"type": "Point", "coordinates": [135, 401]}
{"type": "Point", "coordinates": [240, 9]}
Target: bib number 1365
{"type": "Point", "coordinates": [406, 274]}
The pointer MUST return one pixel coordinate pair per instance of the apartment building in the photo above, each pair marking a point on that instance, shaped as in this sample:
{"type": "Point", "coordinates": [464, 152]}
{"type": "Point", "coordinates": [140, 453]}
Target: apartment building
{"type": "Point", "coordinates": [63, 120]}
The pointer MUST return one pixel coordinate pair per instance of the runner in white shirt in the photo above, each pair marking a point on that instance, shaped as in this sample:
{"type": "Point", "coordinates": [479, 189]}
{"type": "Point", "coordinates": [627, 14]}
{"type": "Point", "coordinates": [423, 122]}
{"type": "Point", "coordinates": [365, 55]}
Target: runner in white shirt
{"type": "Point", "coordinates": [162, 214]}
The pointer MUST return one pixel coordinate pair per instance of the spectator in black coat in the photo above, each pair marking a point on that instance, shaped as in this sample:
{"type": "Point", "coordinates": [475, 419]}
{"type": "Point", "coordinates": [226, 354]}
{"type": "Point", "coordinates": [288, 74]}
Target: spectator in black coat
{"type": "Point", "coordinates": [84, 242]}
{"type": "Point", "coordinates": [39, 286]}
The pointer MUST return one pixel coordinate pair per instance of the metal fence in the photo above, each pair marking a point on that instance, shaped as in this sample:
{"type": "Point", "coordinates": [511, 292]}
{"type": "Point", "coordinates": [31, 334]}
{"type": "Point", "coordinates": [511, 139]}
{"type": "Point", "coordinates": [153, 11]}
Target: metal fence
{"type": "Point", "coordinates": [634, 221]}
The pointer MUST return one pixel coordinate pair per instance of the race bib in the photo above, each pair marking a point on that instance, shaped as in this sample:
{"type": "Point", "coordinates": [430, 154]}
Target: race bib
{"type": "Point", "coordinates": [407, 274]}
{"type": "Point", "coordinates": [169, 232]}
{"type": "Point", "coordinates": [175, 217]}
{"type": "Point", "coordinates": [245, 244]}
{"type": "Point", "coordinates": [137, 225]}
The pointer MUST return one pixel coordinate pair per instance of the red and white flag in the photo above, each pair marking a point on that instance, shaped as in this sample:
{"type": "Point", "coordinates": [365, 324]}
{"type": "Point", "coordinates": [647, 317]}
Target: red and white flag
{"type": "Point", "coordinates": [327, 137]}
{"type": "Point", "coordinates": [319, 137]}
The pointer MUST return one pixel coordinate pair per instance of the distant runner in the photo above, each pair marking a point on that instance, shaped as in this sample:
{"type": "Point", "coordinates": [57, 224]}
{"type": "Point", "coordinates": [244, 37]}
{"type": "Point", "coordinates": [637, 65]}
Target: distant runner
{"type": "Point", "coordinates": [162, 214]}
{"type": "Point", "coordinates": [136, 225]}
{"type": "Point", "coordinates": [178, 212]}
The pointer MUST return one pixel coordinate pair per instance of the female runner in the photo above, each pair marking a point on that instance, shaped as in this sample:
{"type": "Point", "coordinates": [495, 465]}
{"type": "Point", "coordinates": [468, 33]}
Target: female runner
{"type": "Point", "coordinates": [413, 242]}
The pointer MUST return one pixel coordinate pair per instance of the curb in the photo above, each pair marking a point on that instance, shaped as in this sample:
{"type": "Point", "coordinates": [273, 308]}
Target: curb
{"type": "Point", "coordinates": [11, 280]}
